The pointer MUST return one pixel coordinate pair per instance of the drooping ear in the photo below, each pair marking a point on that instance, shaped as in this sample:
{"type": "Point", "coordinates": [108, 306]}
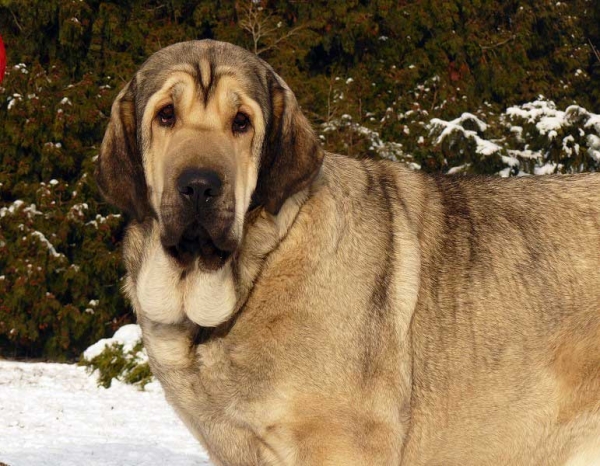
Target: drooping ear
{"type": "Point", "coordinates": [119, 170]}
{"type": "Point", "coordinates": [291, 155]}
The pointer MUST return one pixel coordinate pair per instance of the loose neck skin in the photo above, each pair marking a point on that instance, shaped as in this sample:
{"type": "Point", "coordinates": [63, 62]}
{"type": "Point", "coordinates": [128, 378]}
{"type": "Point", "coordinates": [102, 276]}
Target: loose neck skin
{"type": "Point", "coordinates": [148, 268]}
{"type": "Point", "coordinates": [263, 234]}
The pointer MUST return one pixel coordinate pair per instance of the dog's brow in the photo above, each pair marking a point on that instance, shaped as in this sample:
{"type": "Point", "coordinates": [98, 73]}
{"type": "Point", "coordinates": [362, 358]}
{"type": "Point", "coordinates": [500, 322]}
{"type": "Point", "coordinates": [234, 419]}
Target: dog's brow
{"type": "Point", "coordinates": [177, 89]}
{"type": "Point", "coordinates": [235, 98]}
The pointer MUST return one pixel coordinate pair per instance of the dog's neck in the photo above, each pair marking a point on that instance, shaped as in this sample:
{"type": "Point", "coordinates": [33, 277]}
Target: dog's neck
{"type": "Point", "coordinates": [263, 233]}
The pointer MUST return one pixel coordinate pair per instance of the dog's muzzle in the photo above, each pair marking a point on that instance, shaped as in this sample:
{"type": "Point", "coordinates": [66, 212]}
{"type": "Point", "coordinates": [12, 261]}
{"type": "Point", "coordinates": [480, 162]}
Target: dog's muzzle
{"type": "Point", "coordinates": [202, 222]}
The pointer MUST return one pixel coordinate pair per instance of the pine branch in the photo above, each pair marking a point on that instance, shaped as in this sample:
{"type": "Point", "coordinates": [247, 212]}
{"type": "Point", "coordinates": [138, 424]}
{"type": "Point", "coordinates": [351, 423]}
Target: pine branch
{"type": "Point", "coordinates": [595, 50]}
{"type": "Point", "coordinates": [499, 44]}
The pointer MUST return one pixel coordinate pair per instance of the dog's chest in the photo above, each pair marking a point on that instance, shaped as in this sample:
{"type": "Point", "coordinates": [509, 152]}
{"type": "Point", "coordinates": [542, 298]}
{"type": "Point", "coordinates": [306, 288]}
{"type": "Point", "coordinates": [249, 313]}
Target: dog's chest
{"type": "Point", "coordinates": [242, 420]}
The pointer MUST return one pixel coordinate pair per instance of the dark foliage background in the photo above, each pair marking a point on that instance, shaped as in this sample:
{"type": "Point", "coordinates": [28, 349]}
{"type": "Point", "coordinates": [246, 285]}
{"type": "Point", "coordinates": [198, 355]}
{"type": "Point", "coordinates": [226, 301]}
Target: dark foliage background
{"type": "Point", "coordinates": [364, 72]}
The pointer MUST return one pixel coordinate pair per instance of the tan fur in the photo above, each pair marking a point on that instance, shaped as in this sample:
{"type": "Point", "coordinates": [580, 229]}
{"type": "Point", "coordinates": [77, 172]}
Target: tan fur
{"type": "Point", "coordinates": [380, 316]}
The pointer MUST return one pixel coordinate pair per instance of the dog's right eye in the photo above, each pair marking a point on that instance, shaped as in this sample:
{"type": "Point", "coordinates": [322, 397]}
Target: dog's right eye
{"type": "Point", "coordinates": [241, 123]}
{"type": "Point", "coordinates": [166, 116]}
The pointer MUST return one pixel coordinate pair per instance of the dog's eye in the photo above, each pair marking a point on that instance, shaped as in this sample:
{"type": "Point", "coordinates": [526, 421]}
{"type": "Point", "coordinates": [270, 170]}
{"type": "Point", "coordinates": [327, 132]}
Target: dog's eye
{"type": "Point", "coordinates": [166, 116]}
{"type": "Point", "coordinates": [241, 123]}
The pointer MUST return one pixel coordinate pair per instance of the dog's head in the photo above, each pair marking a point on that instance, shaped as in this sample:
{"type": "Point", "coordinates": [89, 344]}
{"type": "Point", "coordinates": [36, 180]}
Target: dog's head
{"type": "Point", "coordinates": [203, 131]}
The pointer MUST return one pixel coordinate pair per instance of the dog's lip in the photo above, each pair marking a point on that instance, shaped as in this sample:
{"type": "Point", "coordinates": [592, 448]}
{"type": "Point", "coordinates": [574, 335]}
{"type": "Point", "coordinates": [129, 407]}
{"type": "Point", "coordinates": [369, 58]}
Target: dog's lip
{"type": "Point", "coordinates": [196, 242]}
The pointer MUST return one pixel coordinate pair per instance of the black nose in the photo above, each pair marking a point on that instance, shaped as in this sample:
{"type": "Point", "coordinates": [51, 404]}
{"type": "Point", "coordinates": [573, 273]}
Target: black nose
{"type": "Point", "coordinates": [199, 186]}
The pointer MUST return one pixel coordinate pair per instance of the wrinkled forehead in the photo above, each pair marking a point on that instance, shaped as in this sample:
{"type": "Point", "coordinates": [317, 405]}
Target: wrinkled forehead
{"type": "Point", "coordinates": [207, 62]}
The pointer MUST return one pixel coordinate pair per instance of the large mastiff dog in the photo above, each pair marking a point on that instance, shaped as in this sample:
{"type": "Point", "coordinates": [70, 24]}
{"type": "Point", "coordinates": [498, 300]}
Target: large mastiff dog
{"type": "Point", "coordinates": [304, 308]}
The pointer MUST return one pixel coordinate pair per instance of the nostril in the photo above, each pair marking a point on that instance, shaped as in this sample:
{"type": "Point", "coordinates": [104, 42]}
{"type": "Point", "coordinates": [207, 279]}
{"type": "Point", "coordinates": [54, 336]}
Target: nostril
{"type": "Point", "coordinates": [187, 190]}
{"type": "Point", "coordinates": [199, 185]}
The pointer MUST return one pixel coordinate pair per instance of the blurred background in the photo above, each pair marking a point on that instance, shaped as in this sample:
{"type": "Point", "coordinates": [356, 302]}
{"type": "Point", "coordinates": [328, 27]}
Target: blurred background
{"type": "Point", "coordinates": [507, 88]}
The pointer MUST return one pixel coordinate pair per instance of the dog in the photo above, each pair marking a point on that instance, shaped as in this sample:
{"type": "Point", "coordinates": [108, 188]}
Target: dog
{"type": "Point", "coordinates": [305, 308]}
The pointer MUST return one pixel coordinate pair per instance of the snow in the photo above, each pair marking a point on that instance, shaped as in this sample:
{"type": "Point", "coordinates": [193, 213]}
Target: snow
{"type": "Point", "coordinates": [458, 169]}
{"type": "Point", "coordinates": [535, 110]}
{"type": "Point", "coordinates": [548, 120]}
{"type": "Point", "coordinates": [128, 336]}
{"type": "Point", "coordinates": [13, 100]}
{"type": "Point", "coordinates": [545, 169]}
{"type": "Point", "coordinates": [22, 67]}
{"type": "Point", "coordinates": [11, 210]}
{"type": "Point", "coordinates": [389, 150]}
{"type": "Point", "coordinates": [486, 147]}
{"type": "Point", "coordinates": [54, 414]}
{"type": "Point", "coordinates": [77, 210]}
{"type": "Point", "coordinates": [505, 172]}
{"type": "Point", "coordinates": [563, 134]}
{"type": "Point", "coordinates": [594, 121]}
{"type": "Point", "coordinates": [550, 124]}
{"type": "Point", "coordinates": [569, 145]}
{"type": "Point", "coordinates": [39, 235]}
{"type": "Point", "coordinates": [510, 161]}
{"type": "Point", "coordinates": [31, 210]}
{"type": "Point", "coordinates": [448, 128]}
{"type": "Point", "coordinates": [593, 142]}
{"type": "Point", "coordinates": [525, 153]}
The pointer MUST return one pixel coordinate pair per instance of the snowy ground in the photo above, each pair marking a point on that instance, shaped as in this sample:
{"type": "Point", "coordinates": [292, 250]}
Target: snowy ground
{"type": "Point", "coordinates": [54, 414]}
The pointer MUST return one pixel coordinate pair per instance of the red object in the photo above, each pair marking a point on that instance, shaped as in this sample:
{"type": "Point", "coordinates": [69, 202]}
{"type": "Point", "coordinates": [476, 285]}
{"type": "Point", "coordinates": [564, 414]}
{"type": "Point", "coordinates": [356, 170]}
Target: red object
{"type": "Point", "coordinates": [2, 59]}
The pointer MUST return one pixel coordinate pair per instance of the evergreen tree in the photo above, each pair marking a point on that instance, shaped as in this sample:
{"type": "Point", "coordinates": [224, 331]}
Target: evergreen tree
{"type": "Point", "coordinates": [371, 75]}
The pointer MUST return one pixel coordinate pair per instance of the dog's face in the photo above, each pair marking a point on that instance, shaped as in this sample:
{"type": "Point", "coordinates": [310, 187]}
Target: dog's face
{"type": "Point", "coordinates": [203, 131]}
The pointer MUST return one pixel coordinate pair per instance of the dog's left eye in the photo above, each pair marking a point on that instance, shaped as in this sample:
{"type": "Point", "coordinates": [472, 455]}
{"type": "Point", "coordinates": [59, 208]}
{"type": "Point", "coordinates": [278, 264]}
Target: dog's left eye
{"type": "Point", "coordinates": [241, 123]}
{"type": "Point", "coordinates": [166, 116]}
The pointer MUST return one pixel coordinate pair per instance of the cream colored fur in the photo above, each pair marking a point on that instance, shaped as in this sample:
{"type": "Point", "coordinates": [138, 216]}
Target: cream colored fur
{"type": "Point", "coordinates": [376, 316]}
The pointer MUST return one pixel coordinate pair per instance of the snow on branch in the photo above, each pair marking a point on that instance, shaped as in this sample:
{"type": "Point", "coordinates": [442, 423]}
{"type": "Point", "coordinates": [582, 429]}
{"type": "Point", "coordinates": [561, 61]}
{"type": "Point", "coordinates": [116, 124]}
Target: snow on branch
{"type": "Point", "coordinates": [40, 236]}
